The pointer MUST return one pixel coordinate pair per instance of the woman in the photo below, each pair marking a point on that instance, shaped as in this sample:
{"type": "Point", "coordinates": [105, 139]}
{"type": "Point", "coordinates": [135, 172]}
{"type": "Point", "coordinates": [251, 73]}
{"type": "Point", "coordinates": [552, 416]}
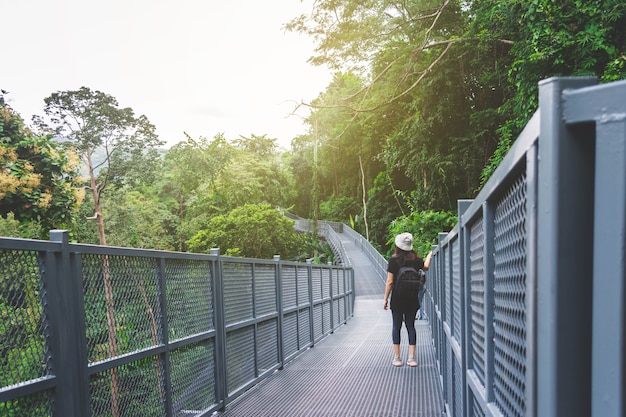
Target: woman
{"type": "Point", "coordinates": [403, 309]}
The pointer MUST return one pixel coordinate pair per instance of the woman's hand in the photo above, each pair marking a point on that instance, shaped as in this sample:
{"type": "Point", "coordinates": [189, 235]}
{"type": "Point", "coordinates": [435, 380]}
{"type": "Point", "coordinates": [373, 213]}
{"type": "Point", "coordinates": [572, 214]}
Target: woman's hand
{"type": "Point", "coordinates": [427, 261]}
{"type": "Point", "coordinates": [385, 305]}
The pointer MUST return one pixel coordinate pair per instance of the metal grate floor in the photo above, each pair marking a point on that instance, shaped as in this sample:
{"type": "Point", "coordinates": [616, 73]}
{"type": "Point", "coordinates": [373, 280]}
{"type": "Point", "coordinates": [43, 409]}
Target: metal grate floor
{"type": "Point", "coordinates": [349, 373]}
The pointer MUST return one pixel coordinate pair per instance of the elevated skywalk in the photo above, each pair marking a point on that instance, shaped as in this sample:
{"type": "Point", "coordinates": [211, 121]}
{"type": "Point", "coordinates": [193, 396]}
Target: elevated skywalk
{"type": "Point", "coordinates": [349, 373]}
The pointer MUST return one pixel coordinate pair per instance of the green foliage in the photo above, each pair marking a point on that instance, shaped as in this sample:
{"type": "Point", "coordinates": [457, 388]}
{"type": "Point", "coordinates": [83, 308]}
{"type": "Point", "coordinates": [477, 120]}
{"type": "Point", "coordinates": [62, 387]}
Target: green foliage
{"type": "Point", "coordinates": [139, 219]}
{"type": "Point", "coordinates": [339, 209]}
{"type": "Point", "coordinates": [316, 249]}
{"type": "Point", "coordinates": [385, 203]}
{"type": "Point", "coordinates": [254, 230]}
{"type": "Point", "coordinates": [39, 182]}
{"type": "Point", "coordinates": [573, 38]}
{"type": "Point", "coordinates": [424, 226]}
{"type": "Point", "coordinates": [11, 227]}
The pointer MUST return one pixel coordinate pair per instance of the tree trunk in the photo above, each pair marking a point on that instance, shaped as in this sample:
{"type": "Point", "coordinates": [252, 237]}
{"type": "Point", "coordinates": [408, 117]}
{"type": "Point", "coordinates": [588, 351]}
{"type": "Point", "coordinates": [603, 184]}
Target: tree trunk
{"type": "Point", "coordinates": [367, 230]}
{"type": "Point", "coordinates": [108, 289]}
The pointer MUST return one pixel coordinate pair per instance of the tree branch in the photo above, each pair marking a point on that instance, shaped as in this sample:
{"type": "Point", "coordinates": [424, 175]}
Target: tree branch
{"type": "Point", "coordinates": [448, 43]}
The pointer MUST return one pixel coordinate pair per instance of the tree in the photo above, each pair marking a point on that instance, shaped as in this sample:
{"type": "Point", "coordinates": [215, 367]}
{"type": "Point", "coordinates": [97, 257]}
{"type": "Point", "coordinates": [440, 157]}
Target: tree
{"type": "Point", "coordinates": [190, 170]}
{"type": "Point", "coordinates": [92, 121]}
{"type": "Point", "coordinates": [250, 178]}
{"type": "Point", "coordinates": [254, 230]}
{"type": "Point", "coordinates": [39, 181]}
{"type": "Point", "coordinates": [258, 145]}
{"type": "Point", "coordinates": [413, 107]}
{"type": "Point", "coordinates": [138, 218]}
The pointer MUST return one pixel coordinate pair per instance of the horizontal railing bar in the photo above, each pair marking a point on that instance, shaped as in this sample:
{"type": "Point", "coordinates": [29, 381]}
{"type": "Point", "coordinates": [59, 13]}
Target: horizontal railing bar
{"type": "Point", "coordinates": [29, 245]}
{"type": "Point", "coordinates": [23, 389]}
{"type": "Point", "coordinates": [190, 340]}
{"type": "Point", "coordinates": [125, 359]}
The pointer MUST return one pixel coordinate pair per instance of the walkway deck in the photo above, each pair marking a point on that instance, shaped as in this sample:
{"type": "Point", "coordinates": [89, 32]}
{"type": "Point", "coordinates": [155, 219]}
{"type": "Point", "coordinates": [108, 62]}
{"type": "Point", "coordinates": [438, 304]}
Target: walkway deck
{"type": "Point", "coordinates": [349, 373]}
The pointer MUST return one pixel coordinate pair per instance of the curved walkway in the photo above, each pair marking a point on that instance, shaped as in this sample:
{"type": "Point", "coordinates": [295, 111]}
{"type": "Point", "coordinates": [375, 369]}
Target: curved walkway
{"type": "Point", "coordinates": [349, 373]}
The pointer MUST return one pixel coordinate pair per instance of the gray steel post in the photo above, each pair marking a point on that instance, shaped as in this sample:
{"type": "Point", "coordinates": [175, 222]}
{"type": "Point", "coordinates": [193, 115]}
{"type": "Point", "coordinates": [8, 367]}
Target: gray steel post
{"type": "Point", "coordinates": [488, 300]}
{"type": "Point", "coordinates": [609, 273]}
{"type": "Point", "coordinates": [164, 323]}
{"type": "Point", "coordinates": [310, 280]}
{"type": "Point", "coordinates": [255, 327]}
{"type": "Point", "coordinates": [531, 281]}
{"type": "Point", "coordinates": [564, 233]}
{"type": "Point", "coordinates": [464, 268]}
{"type": "Point", "coordinates": [606, 106]}
{"type": "Point", "coordinates": [332, 301]}
{"type": "Point", "coordinates": [221, 377]}
{"type": "Point", "coordinates": [68, 345]}
{"type": "Point", "coordinates": [441, 288]}
{"type": "Point", "coordinates": [279, 310]}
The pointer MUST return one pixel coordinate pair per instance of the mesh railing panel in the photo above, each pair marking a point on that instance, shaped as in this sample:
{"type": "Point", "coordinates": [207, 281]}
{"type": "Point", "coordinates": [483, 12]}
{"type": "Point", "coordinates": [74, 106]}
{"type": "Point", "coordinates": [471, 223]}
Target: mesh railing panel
{"type": "Point", "coordinates": [267, 344]}
{"type": "Point", "coordinates": [237, 292]}
{"type": "Point", "coordinates": [327, 321]}
{"type": "Point", "coordinates": [510, 299]}
{"type": "Point", "coordinates": [449, 380]}
{"type": "Point", "coordinates": [336, 312]}
{"type": "Point", "coordinates": [342, 310]}
{"type": "Point", "coordinates": [303, 285]}
{"type": "Point", "coordinates": [189, 287]}
{"type": "Point", "coordinates": [458, 387]}
{"type": "Point", "coordinates": [135, 389]}
{"type": "Point", "coordinates": [22, 340]}
{"type": "Point", "coordinates": [476, 411]}
{"type": "Point", "coordinates": [265, 289]}
{"type": "Point", "coordinates": [289, 286]}
{"type": "Point", "coordinates": [317, 276]}
{"type": "Point", "coordinates": [341, 284]}
{"type": "Point", "coordinates": [121, 305]}
{"type": "Point", "coordinates": [326, 283]}
{"type": "Point", "coordinates": [336, 280]}
{"type": "Point", "coordinates": [240, 366]}
{"type": "Point", "coordinates": [477, 298]}
{"type": "Point", "coordinates": [35, 405]}
{"type": "Point", "coordinates": [193, 377]}
{"type": "Point", "coordinates": [318, 321]}
{"type": "Point", "coordinates": [290, 333]}
{"type": "Point", "coordinates": [456, 290]}
{"type": "Point", "coordinates": [304, 328]}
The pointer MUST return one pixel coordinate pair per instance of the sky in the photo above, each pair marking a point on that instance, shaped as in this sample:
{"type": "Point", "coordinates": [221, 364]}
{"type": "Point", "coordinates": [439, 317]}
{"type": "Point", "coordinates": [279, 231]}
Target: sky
{"type": "Point", "coordinates": [198, 66]}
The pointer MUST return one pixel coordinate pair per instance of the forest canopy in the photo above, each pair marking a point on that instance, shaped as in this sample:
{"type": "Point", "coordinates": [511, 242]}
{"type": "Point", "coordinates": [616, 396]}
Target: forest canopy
{"type": "Point", "coordinates": [425, 100]}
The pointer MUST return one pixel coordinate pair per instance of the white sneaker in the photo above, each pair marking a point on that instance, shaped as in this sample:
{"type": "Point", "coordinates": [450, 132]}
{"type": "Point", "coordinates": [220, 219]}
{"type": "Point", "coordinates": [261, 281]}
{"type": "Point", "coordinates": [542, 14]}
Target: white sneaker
{"type": "Point", "coordinates": [397, 361]}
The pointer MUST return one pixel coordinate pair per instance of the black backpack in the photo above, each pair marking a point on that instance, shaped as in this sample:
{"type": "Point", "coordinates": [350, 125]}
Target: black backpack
{"type": "Point", "coordinates": [410, 282]}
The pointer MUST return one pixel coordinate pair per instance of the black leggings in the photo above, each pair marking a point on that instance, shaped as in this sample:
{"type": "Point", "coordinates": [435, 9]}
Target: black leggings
{"type": "Point", "coordinates": [409, 321]}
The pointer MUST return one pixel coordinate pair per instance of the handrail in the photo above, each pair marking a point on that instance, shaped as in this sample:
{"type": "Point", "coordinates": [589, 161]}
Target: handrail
{"type": "Point", "coordinates": [195, 330]}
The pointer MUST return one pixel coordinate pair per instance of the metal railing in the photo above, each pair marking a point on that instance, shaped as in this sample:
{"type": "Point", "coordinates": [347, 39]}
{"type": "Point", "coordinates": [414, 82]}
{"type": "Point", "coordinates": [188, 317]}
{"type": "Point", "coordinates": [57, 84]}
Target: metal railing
{"type": "Point", "coordinates": [102, 331]}
{"type": "Point", "coordinates": [329, 231]}
{"type": "Point", "coordinates": [526, 293]}
{"type": "Point", "coordinates": [378, 260]}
